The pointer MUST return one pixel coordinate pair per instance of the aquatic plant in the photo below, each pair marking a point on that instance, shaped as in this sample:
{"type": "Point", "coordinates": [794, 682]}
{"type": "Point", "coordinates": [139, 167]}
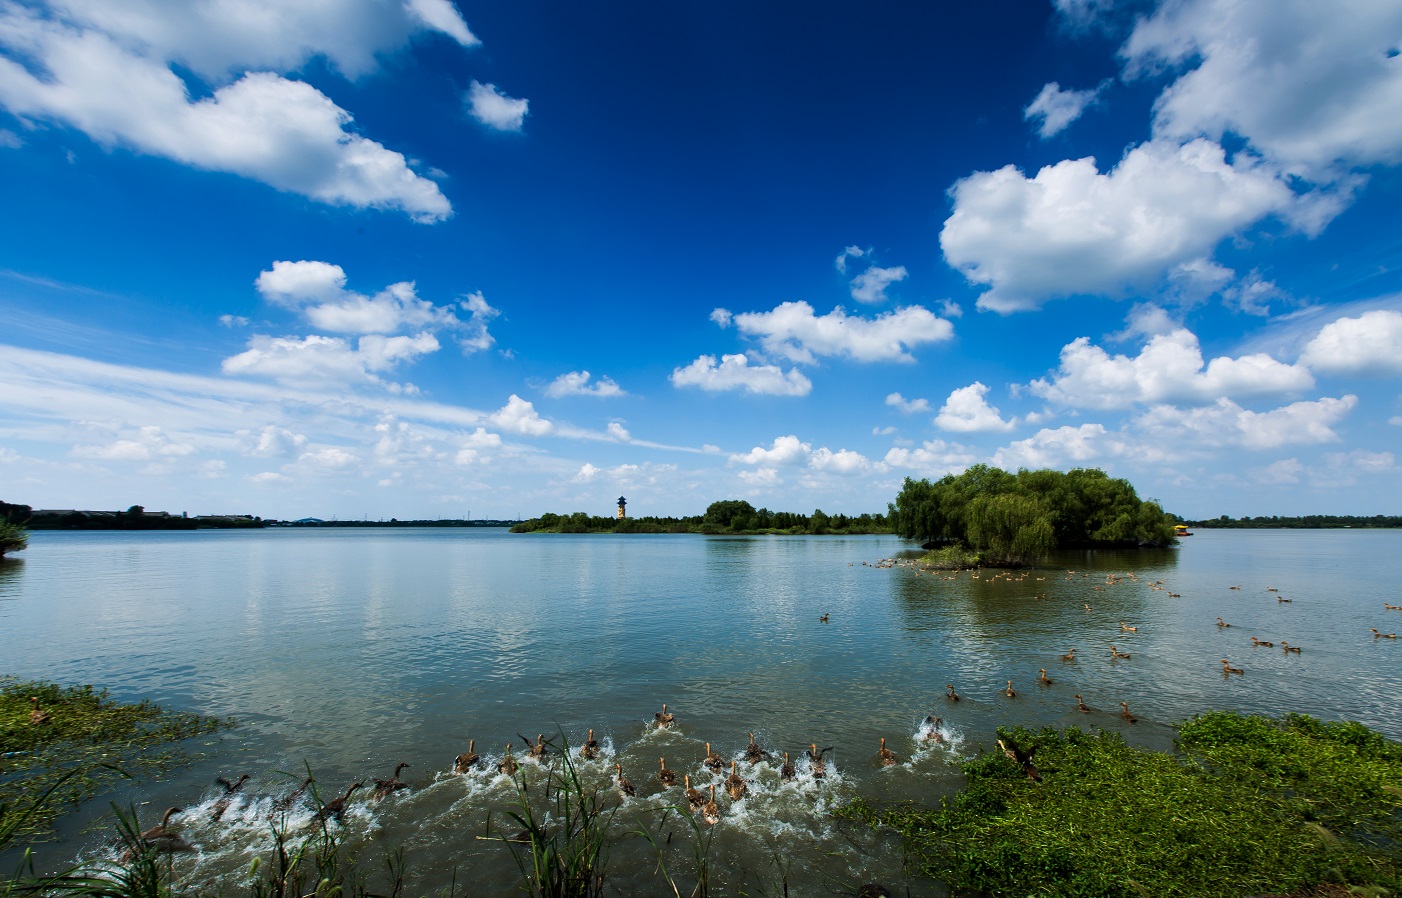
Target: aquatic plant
{"type": "Point", "coordinates": [1250, 805]}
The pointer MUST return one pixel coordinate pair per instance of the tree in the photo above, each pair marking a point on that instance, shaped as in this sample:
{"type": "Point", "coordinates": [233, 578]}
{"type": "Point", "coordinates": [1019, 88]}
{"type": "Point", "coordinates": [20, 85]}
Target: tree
{"type": "Point", "coordinates": [13, 538]}
{"type": "Point", "coordinates": [1010, 528]}
{"type": "Point", "coordinates": [722, 514]}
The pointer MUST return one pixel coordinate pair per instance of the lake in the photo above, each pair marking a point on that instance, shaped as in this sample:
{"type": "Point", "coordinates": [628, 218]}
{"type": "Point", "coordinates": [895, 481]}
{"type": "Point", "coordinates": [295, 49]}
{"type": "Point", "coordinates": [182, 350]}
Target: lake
{"type": "Point", "coordinates": [352, 650]}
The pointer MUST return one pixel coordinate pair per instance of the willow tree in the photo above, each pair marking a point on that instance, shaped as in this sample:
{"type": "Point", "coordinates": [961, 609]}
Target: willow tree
{"type": "Point", "coordinates": [1010, 529]}
{"type": "Point", "coordinates": [13, 538]}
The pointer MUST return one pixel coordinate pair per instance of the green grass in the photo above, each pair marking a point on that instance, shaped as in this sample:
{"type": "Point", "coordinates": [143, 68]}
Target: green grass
{"type": "Point", "coordinates": [1248, 806]}
{"type": "Point", "coordinates": [950, 558]}
{"type": "Point", "coordinates": [88, 741]}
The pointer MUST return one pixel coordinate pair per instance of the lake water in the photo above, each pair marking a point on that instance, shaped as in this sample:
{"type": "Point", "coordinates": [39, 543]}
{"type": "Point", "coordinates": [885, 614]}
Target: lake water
{"type": "Point", "coordinates": [351, 650]}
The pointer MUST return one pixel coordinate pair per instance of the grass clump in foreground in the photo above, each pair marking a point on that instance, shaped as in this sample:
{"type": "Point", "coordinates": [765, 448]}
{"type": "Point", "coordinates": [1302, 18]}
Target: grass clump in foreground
{"type": "Point", "coordinates": [1249, 806]}
{"type": "Point", "coordinates": [78, 739]}
{"type": "Point", "coordinates": [950, 558]}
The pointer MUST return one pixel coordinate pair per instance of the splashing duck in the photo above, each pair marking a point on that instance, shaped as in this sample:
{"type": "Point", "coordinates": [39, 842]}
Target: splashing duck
{"type": "Point", "coordinates": [590, 750]}
{"type": "Point", "coordinates": [664, 776]}
{"type": "Point", "coordinates": [693, 795]}
{"type": "Point", "coordinates": [787, 772]}
{"type": "Point", "coordinates": [735, 785]}
{"type": "Point", "coordinates": [216, 813]}
{"type": "Point", "coordinates": [383, 788]}
{"type": "Point", "coordinates": [624, 784]}
{"type": "Point", "coordinates": [467, 760]}
{"type": "Point", "coordinates": [888, 757]}
{"type": "Point", "coordinates": [663, 719]}
{"type": "Point", "coordinates": [713, 760]}
{"type": "Point", "coordinates": [507, 764]}
{"type": "Point", "coordinates": [710, 811]}
{"type": "Point", "coordinates": [336, 807]}
{"type": "Point", "coordinates": [753, 753]}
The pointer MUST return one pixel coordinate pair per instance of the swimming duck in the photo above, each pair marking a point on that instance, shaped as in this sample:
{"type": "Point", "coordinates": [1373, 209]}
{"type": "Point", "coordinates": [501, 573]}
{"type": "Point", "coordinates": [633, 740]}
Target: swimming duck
{"type": "Point", "coordinates": [1116, 653]}
{"type": "Point", "coordinates": [1238, 586]}
{"type": "Point", "coordinates": [161, 839]}
{"type": "Point", "coordinates": [735, 784]}
{"type": "Point", "coordinates": [1044, 679]}
{"type": "Point", "coordinates": [1290, 648]}
{"type": "Point", "coordinates": [1284, 601]}
{"type": "Point", "coordinates": [507, 764]}
{"type": "Point", "coordinates": [710, 812]}
{"type": "Point", "coordinates": [753, 753]}
{"type": "Point", "coordinates": [336, 807]}
{"type": "Point", "coordinates": [384, 787]}
{"type": "Point", "coordinates": [1124, 712]}
{"type": "Point", "coordinates": [1228, 669]}
{"type": "Point", "coordinates": [160, 831]}
{"type": "Point", "coordinates": [1069, 656]}
{"type": "Point", "coordinates": [37, 716]}
{"type": "Point", "coordinates": [932, 729]}
{"type": "Point", "coordinates": [623, 782]}
{"type": "Point", "coordinates": [590, 750]}
{"type": "Point", "coordinates": [816, 762]}
{"type": "Point", "coordinates": [887, 756]}
{"type": "Point", "coordinates": [539, 750]}
{"type": "Point", "coordinates": [663, 718]}
{"type": "Point", "coordinates": [283, 804]}
{"type": "Point", "coordinates": [467, 760]}
{"type": "Point", "coordinates": [222, 805]}
{"type": "Point", "coordinates": [1221, 624]}
{"type": "Point", "coordinates": [1082, 706]}
{"type": "Point", "coordinates": [1088, 606]}
{"type": "Point", "coordinates": [713, 760]}
{"type": "Point", "coordinates": [1127, 628]}
{"type": "Point", "coordinates": [693, 795]}
{"type": "Point", "coordinates": [1256, 642]}
{"type": "Point", "coordinates": [1387, 607]}
{"type": "Point", "coordinates": [787, 772]}
{"type": "Point", "coordinates": [953, 696]}
{"type": "Point", "coordinates": [1010, 692]}
{"type": "Point", "coordinates": [664, 776]}
{"type": "Point", "coordinates": [1377, 635]}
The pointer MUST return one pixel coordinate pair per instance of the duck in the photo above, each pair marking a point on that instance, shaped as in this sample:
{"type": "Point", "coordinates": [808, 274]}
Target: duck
{"type": "Point", "coordinates": [590, 750]}
{"type": "Point", "coordinates": [787, 772]}
{"type": "Point", "coordinates": [932, 728]}
{"type": "Point", "coordinates": [693, 795]}
{"type": "Point", "coordinates": [1082, 706]}
{"type": "Point", "coordinates": [336, 807]}
{"type": "Point", "coordinates": [1228, 669]}
{"type": "Point", "coordinates": [1221, 624]}
{"type": "Point", "coordinates": [1377, 635]}
{"type": "Point", "coordinates": [1116, 653]}
{"type": "Point", "coordinates": [467, 760]}
{"type": "Point", "coordinates": [160, 830]}
{"type": "Point", "coordinates": [1087, 604]}
{"type": "Point", "coordinates": [953, 696]}
{"type": "Point", "coordinates": [1290, 648]}
{"type": "Point", "coordinates": [217, 812]}
{"type": "Point", "coordinates": [284, 804]}
{"type": "Point", "coordinates": [1271, 589]}
{"type": "Point", "coordinates": [815, 757]}
{"type": "Point", "coordinates": [1127, 628]}
{"type": "Point", "coordinates": [623, 782]}
{"type": "Point", "coordinates": [383, 788]}
{"type": "Point", "coordinates": [1284, 601]}
{"type": "Point", "coordinates": [888, 757]}
{"type": "Point", "coordinates": [735, 784]}
{"type": "Point", "coordinates": [753, 753]}
{"type": "Point", "coordinates": [1124, 712]}
{"type": "Point", "coordinates": [1238, 586]}
{"type": "Point", "coordinates": [539, 750]}
{"type": "Point", "coordinates": [664, 776]}
{"type": "Point", "coordinates": [713, 760]}
{"type": "Point", "coordinates": [1044, 679]}
{"type": "Point", "coordinates": [1255, 642]}
{"type": "Point", "coordinates": [1069, 656]}
{"type": "Point", "coordinates": [1022, 758]}
{"type": "Point", "coordinates": [507, 764]}
{"type": "Point", "coordinates": [1009, 691]}
{"type": "Point", "coordinates": [823, 619]}
{"type": "Point", "coordinates": [1387, 607]}
{"type": "Point", "coordinates": [1175, 595]}
{"type": "Point", "coordinates": [160, 839]}
{"type": "Point", "coordinates": [663, 718]}
{"type": "Point", "coordinates": [710, 812]}
{"type": "Point", "coordinates": [37, 716]}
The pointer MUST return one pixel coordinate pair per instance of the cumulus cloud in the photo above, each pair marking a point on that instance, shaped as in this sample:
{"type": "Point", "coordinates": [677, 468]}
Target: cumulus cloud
{"type": "Point", "coordinates": [790, 451]}
{"type": "Point", "coordinates": [967, 411]}
{"type": "Point", "coordinates": [233, 321]}
{"type": "Point", "coordinates": [1059, 447]}
{"type": "Point", "coordinates": [471, 446]}
{"type": "Point", "coordinates": [908, 406]}
{"type": "Point", "coordinates": [734, 372]}
{"type": "Point", "coordinates": [851, 252]}
{"type": "Point", "coordinates": [520, 416]}
{"type": "Point", "coordinates": [442, 15]}
{"type": "Point", "coordinates": [619, 432]}
{"type": "Point", "coordinates": [491, 107]}
{"type": "Point", "coordinates": [106, 69]}
{"type": "Point", "coordinates": [320, 360]}
{"type": "Point", "coordinates": [786, 450]}
{"type": "Point", "coordinates": [1226, 424]}
{"type": "Point", "coordinates": [933, 458]}
{"type": "Point", "coordinates": [794, 331]}
{"type": "Point", "coordinates": [329, 458]}
{"type": "Point", "coordinates": [1055, 109]}
{"type": "Point", "coordinates": [273, 441]}
{"type": "Point", "coordinates": [143, 444]}
{"type": "Point", "coordinates": [843, 461]}
{"type": "Point", "coordinates": [951, 309]}
{"type": "Point", "coordinates": [1315, 87]}
{"type": "Point", "coordinates": [10, 140]}
{"type": "Point", "coordinates": [587, 472]}
{"type": "Point", "coordinates": [1368, 344]}
{"type": "Point", "coordinates": [1285, 471]}
{"type": "Point", "coordinates": [576, 383]}
{"type": "Point", "coordinates": [479, 314]}
{"type": "Point", "coordinates": [1168, 369]}
{"type": "Point", "coordinates": [1072, 230]}
{"type": "Point", "coordinates": [317, 291]}
{"type": "Point", "coordinates": [870, 286]}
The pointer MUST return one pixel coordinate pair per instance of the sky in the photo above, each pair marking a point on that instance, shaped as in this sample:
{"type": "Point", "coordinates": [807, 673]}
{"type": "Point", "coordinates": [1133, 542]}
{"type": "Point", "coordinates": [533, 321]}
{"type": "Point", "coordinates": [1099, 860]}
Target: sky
{"type": "Point", "coordinates": [427, 259]}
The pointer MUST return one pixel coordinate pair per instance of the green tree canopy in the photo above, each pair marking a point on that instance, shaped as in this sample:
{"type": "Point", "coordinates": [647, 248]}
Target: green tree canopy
{"type": "Point", "coordinates": [13, 538]}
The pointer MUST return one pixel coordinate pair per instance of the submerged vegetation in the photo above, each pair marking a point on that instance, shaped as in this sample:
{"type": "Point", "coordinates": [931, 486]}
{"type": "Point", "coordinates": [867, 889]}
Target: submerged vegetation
{"type": "Point", "coordinates": [729, 516]}
{"type": "Point", "coordinates": [77, 740]}
{"type": "Point", "coordinates": [1248, 806]}
{"type": "Point", "coordinates": [1018, 519]}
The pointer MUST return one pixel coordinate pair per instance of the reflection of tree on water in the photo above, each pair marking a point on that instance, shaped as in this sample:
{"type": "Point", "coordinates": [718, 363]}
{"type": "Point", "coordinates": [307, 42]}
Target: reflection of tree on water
{"type": "Point", "coordinates": [10, 571]}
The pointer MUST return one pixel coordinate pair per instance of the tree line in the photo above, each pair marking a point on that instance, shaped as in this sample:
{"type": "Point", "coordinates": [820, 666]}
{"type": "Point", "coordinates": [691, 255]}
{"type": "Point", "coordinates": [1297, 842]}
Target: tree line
{"type": "Point", "coordinates": [1018, 519]}
{"type": "Point", "coordinates": [727, 516]}
{"type": "Point", "coordinates": [1308, 521]}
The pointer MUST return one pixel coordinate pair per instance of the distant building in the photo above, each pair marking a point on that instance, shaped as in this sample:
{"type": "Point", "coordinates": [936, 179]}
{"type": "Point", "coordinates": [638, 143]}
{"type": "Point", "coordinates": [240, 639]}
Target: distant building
{"type": "Point", "coordinates": [622, 508]}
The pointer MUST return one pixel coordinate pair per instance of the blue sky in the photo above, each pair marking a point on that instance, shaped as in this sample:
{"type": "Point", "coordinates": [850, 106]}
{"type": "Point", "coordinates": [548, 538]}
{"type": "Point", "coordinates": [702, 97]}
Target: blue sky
{"type": "Point", "coordinates": [414, 258]}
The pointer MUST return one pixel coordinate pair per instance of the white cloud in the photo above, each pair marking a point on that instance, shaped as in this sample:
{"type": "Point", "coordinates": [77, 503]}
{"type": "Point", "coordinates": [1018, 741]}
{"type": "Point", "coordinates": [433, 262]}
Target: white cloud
{"type": "Point", "coordinates": [1285, 471]}
{"type": "Point", "coordinates": [473, 445]}
{"type": "Point", "coordinates": [619, 432]}
{"type": "Point", "coordinates": [1193, 281]}
{"type": "Point", "coordinates": [967, 411]}
{"type": "Point", "coordinates": [442, 15]}
{"type": "Point", "coordinates": [760, 477]}
{"type": "Point", "coordinates": [851, 252]}
{"type": "Point", "coordinates": [318, 360]}
{"type": "Point", "coordinates": [1071, 230]}
{"type": "Point", "coordinates": [233, 321]}
{"type": "Point", "coordinates": [786, 450]}
{"type": "Point", "coordinates": [262, 126]}
{"type": "Point", "coordinates": [520, 416]}
{"type": "Point", "coordinates": [317, 291]}
{"type": "Point", "coordinates": [480, 314]}
{"type": "Point", "coordinates": [1059, 447]}
{"type": "Point", "coordinates": [330, 457]}
{"type": "Point", "coordinates": [266, 478]}
{"type": "Point", "coordinates": [587, 472]}
{"type": "Point", "coordinates": [1311, 85]}
{"type": "Point", "coordinates": [141, 444]}
{"type": "Point", "coordinates": [792, 330]}
{"type": "Point", "coordinates": [951, 309]}
{"type": "Point", "coordinates": [843, 461]}
{"type": "Point", "coordinates": [933, 458]}
{"type": "Point", "coordinates": [10, 140]}
{"type": "Point", "coordinates": [495, 109]}
{"type": "Point", "coordinates": [1368, 344]}
{"type": "Point", "coordinates": [734, 372]}
{"type": "Point", "coordinates": [870, 286]}
{"type": "Point", "coordinates": [273, 441]}
{"type": "Point", "coordinates": [1168, 369]}
{"type": "Point", "coordinates": [1226, 424]}
{"type": "Point", "coordinates": [1253, 295]}
{"type": "Point", "coordinates": [576, 383]}
{"type": "Point", "coordinates": [1083, 15]}
{"type": "Point", "coordinates": [1057, 108]}
{"type": "Point", "coordinates": [908, 406]}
